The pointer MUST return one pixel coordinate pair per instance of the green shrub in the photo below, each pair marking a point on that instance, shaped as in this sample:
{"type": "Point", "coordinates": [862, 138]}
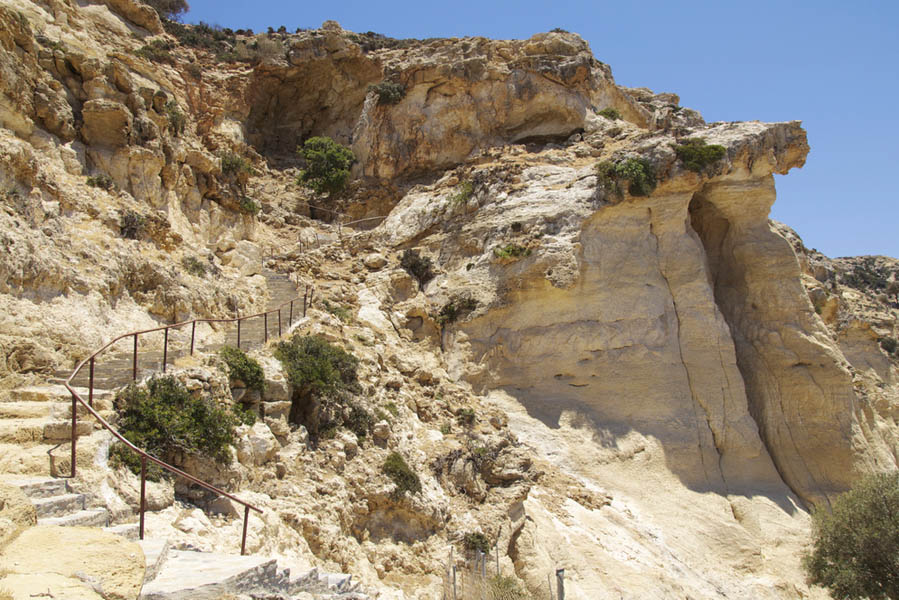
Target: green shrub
{"type": "Point", "coordinates": [446, 428]}
{"type": "Point", "coordinates": [327, 165]}
{"type": "Point", "coordinates": [103, 181]}
{"type": "Point", "coordinates": [855, 545]}
{"type": "Point", "coordinates": [177, 120]}
{"type": "Point", "coordinates": [453, 310]}
{"type": "Point", "coordinates": [165, 419]}
{"type": "Point", "coordinates": [315, 366]}
{"type": "Point", "coordinates": [610, 113]}
{"type": "Point", "coordinates": [476, 541]}
{"type": "Point", "coordinates": [511, 251]}
{"type": "Point", "coordinates": [157, 51]}
{"type": "Point", "coordinates": [322, 375]}
{"type": "Point", "coordinates": [131, 224]}
{"type": "Point", "coordinates": [466, 416]}
{"type": "Point", "coordinates": [889, 344]}
{"type": "Point", "coordinates": [194, 266]}
{"type": "Point", "coordinates": [169, 9]}
{"type": "Point", "coordinates": [388, 92]}
{"type": "Point", "coordinates": [501, 587]}
{"type": "Point", "coordinates": [341, 312]}
{"type": "Point", "coordinates": [559, 30]}
{"type": "Point", "coordinates": [420, 267]}
{"type": "Point", "coordinates": [697, 155]}
{"type": "Point", "coordinates": [234, 164]}
{"type": "Point", "coordinates": [249, 206]}
{"type": "Point", "coordinates": [243, 368]}
{"type": "Point", "coordinates": [463, 193]}
{"type": "Point", "coordinates": [392, 408]}
{"type": "Point", "coordinates": [403, 476]}
{"type": "Point", "coordinates": [359, 420]}
{"type": "Point", "coordinates": [638, 172]}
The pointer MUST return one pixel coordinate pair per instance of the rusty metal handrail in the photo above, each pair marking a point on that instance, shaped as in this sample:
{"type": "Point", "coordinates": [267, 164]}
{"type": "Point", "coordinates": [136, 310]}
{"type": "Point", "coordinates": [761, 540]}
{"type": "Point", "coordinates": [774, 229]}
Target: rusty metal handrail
{"type": "Point", "coordinates": [144, 456]}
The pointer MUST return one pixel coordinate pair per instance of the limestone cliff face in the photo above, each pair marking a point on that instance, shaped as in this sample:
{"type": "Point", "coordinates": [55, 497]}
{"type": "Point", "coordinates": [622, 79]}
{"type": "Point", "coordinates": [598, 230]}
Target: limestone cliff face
{"type": "Point", "coordinates": [662, 384]}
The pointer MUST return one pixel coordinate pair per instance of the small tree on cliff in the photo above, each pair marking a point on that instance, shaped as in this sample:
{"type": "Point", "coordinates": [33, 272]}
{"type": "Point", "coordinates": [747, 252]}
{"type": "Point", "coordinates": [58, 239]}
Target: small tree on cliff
{"type": "Point", "coordinates": [327, 165]}
{"type": "Point", "coordinates": [169, 9]}
{"type": "Point", "coordinates": [856, 545]}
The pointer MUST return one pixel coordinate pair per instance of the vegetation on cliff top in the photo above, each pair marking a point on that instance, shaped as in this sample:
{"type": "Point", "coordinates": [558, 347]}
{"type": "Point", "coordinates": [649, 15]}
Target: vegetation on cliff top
{"type": "Point", "coordinates": [697, 156]}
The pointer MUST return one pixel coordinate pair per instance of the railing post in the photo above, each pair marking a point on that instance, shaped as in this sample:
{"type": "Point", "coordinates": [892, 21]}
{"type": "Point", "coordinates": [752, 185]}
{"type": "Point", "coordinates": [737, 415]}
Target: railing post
{"type": "Point", "coordinates": [193, 331]}
{"type": "Point", "coordinates": [305, 293]}
{"type": "Point", "coordinates": [560, 584]}
{"type": "Point", "coordinates": [74, 425]}
{"type": "Point", "coordinates": [143, 491]}
{"type": "Point", "coordinates": [265, 327]}
{"type": "Point", "coordinates": [238, 332]}
{"type": "Point", "coordinates": [90, 384]}
{"type": "Point", "coordinates": [279, 321]}
{"type": "Point", "coordinates": [134, 363]}
{"type": "Point", "coordinates": [165, 349]}
{"type": "Point", "coordinates": [290, 316]}
{"type": "Point", "coordinates": [243, 540]}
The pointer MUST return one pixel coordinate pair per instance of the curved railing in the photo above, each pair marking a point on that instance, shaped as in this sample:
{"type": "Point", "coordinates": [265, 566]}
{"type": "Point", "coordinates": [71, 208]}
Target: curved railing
{"type": "Point", "coordinates": [144, 456]}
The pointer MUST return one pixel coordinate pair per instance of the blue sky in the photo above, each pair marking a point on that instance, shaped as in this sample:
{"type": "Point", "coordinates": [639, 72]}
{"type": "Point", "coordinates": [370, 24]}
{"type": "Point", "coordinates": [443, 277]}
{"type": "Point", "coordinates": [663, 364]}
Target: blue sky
{"type": "Point", "coordinates": [833, 65]}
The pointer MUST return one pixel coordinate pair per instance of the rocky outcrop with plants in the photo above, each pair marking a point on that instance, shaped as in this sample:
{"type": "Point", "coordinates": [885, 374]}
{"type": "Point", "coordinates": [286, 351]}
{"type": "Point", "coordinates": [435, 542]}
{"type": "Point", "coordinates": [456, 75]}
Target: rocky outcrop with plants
{"type": "Point", "coordinates": [567, 333]}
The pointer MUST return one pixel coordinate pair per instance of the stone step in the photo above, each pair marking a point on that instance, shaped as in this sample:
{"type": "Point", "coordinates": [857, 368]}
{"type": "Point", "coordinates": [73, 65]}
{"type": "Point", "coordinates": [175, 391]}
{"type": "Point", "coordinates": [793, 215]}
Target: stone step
{"type": "Point", "coordinates": [35, 460]}
{"type": "Point", "coordinates": [188, 575]}
{"type": "Point", "coordinates": [58, 506]}
{"type": "Point", "coordinates": [129, 531]}
{"type": "Point", "coordinates": [156, 552]}
{"type": "Point", "coordinates": [22, 431]}
{"type": "Point", "coordinates": [94, 517]}
{"type": "Point", "coordinates": [41, 487]}
{"type": "Point", "coordinates": [54, 410]}
{"type": "Point", "coordinates": [52, 393]}
{"type": "Point", "coordinates": [58, 431]}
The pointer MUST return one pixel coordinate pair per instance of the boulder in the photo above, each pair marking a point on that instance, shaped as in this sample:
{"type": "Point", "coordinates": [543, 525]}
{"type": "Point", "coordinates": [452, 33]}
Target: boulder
{"type": "Point", "coordinates": [106, 123]}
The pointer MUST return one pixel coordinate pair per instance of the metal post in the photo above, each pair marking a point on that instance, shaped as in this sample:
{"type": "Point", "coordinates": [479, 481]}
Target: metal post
{"type": "Point", "coordinates": [134, 363]}
{"type": "Point", "coordinates": [454, 583]}
{"type": "Point", "coordinates": [560, 584]}
{"type": "Point", "coordinates": [279, 321]}
{"type": "Point", "coordinates": [290, 316]}
{"type": "Point", "coordinates": [238, 332]}
{"type": "Point", "coordinates": [90, 385]}
{"type": "Point", "coordinates": [265, 326]}
{"type": "Point", "coordinates": [305, 293]}
{"type": "Point", "coordinates": [243, 541]}
{"type": "Point", "coordinates": [165, 349]}
{"type": "Point", "coordinates": [484, 565]}
{"type": "Point", "coordinates": [143, 491]}
{"type": "Point", "coordinates": [193, 331]}
{"type": "Point", "coordinates": [74, 424]}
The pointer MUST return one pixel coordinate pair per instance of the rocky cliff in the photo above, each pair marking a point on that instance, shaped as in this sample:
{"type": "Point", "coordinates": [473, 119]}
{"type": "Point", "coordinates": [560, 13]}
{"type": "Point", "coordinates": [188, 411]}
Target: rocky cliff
{"type": "Point", "coordinates": [648, 386]}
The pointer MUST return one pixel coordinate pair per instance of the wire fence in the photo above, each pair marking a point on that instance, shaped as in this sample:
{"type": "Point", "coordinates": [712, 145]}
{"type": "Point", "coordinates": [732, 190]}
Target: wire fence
{"type": "Point", "coordinates": [480, 578]}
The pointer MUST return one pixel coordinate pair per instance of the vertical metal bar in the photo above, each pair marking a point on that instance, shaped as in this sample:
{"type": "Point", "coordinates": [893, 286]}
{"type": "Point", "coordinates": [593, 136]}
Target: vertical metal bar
{"type": "Point", "coordinates": [143, 491]}
{"type": "Point", "coordinates": [265, 327]}
{"type": "Point", "coordinates": [560, 583]}
{"type": "Point", "coordinates": [193, 332]}
{"type": "Point", "coordinates": [279, 321]}
{"type": "Point", "coordinates": [165, 349]}
{"type": "Point", "coordinates": [74, 424]}
{"type": "Point", "coordinates": [243, 541]}
{"type": "Point", "coordinates": [290, 316]}
{"type": "Point", "coordinates": [238, 332]}
{"type": "Point", "coordinates": [134, 363]}
{"type": "Point", "coordinates": [90, 384]}
{"type": "Point", "coordinates": [454, 583]}
{"type": "Point", "coordinates": [305, 293]}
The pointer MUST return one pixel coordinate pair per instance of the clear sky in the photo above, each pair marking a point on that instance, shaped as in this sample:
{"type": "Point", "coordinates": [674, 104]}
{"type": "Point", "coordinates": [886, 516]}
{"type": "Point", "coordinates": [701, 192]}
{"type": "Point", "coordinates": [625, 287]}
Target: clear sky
{"type": "Point", "coordinates": [833, 65]}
